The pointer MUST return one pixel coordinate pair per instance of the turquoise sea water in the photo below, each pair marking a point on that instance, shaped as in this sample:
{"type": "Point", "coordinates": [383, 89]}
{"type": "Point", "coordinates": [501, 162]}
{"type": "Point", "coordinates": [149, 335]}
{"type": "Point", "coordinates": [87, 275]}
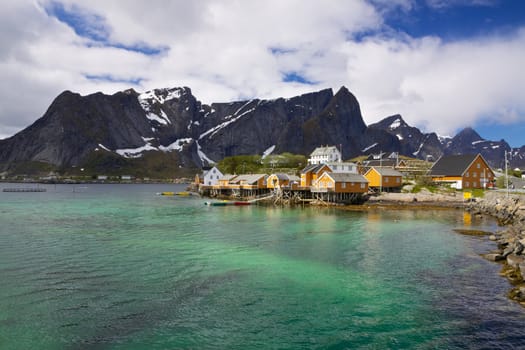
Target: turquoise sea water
{"type": "Point", "coordinates": [118, 267]}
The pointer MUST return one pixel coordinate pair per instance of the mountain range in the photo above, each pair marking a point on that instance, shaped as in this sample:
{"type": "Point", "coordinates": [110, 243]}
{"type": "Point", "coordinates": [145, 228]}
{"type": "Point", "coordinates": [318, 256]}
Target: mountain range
{"type": "Point", "coordinates": [170, 130]}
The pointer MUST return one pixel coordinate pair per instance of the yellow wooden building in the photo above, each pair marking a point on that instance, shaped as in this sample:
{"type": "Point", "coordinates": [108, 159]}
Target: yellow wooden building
{"type": "Point", "coordinates": [384, 178]}
{"type": "Point", "coordinates": [249, 181]}
{"type": "Point", "coordinates": [283, 181]}
{"type": "Point", "coordinates": [312, 172]}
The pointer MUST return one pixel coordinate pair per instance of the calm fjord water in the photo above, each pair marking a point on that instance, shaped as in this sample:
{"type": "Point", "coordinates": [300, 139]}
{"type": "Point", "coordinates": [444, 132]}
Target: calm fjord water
{"type": "Point", "coordinates": [118, 267]}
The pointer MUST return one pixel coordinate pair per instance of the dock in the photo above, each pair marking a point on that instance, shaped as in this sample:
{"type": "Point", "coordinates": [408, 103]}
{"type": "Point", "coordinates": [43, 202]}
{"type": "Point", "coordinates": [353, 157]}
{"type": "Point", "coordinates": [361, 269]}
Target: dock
{"type": "Point", "coordinates": [24, 189]}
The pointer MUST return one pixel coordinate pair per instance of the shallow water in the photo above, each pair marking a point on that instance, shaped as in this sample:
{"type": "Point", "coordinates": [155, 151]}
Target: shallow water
{"type": "Point", "coordinates": [118, 267]}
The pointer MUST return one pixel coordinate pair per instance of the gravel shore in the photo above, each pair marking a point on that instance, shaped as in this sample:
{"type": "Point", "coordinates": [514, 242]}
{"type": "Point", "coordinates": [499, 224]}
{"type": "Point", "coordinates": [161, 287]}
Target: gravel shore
{"type": "Point", "coordinates": [422, 199]}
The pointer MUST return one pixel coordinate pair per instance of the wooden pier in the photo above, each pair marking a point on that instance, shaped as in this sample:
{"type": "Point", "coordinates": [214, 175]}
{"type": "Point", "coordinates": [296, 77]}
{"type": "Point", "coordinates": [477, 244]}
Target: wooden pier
{"type": "Point", "coordinates": [25, 189]}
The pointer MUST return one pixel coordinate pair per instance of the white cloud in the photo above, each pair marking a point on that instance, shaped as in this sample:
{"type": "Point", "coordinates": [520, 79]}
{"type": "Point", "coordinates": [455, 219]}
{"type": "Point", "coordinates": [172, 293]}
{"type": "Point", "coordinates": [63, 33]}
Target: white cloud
{"type": "Point", "coordinates": [440, 86]}
{"type": "Point", "coordinates": [223, 51]}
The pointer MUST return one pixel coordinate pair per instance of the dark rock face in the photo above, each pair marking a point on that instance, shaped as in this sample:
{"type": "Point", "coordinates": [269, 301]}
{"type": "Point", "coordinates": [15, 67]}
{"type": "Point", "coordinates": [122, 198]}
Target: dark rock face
{"type": "Point", "coordinates": [469, 141]}
{"type": "Point", "coordinates": [412, 142]}
{"type": "Point", "coordinates": [129, 124]}
{"type": "Point", "coordinates": [74, 126]}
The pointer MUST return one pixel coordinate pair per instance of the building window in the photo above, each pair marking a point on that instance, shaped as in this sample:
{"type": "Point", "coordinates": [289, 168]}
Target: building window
{"type": "Point", "coordinates": [343, 185]}
{"type": "Point", "coordinates": [386, 179]}
{"type": "Point", "coordinates": [475, 174]}
{"type": "Point", "coordinates": [362, 185]}
{"type": "Point", "coordinates": [478, 165]}
{"type": "Point", "coordinates": [474, 184]}
{"type": "Point", "coordinates": [467, 184]}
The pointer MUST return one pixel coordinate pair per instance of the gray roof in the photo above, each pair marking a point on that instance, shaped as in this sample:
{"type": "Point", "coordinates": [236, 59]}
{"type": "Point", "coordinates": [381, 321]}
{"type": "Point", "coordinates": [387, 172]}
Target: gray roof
{"type": "Point", "coordinates": [249, 178]}
{"type": "Point", "coordinates": [454, 165]}
{"type": "Point", "coordinates": [282, 176]}
{"type": "Point", "coordinates": [314, 168]}
{"type": "Point", "coordinates": [294, 178]}
{"type": "Point", "coordinates": [227, 177]}
{"type": "Point", "coordinates": [386, 171]}
{"type": "Point", "coordinates": [380, 163]}
{"type": "Point", "coordinates": [346, 177]}
{"type": "Point", "coordinates": [319, 151]}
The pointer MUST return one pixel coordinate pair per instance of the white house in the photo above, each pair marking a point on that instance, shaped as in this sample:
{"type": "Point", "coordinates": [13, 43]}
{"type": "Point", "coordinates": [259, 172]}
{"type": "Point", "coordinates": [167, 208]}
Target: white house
{"type": "Point", "coordinates": [322, 155]}
{"type": "Point", "coordinates": [211, 177]}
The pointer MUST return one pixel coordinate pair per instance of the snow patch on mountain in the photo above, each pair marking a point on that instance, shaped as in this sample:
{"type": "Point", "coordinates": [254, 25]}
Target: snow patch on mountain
{"type": "Point", "coordinates": [103, 147]}
{"type": "Point", "coordinates": [149, 98]}
{"type": "Point", "coordinates": [216, 129]}
{"type": "Point", "coordinates": [268, 152]}
{"type": "Point", "coordinates": [135, 152]}
{"type": "Point", "coordinates": [177, 145]}
{"type": "Point", "coordinates": [369, 147]}
{"type": "Point", "coordinates": [138, 152]}
{"type": "Point", "coordinates": [203, 157]}
{"type": "Point", "coordinates": [395, 124]}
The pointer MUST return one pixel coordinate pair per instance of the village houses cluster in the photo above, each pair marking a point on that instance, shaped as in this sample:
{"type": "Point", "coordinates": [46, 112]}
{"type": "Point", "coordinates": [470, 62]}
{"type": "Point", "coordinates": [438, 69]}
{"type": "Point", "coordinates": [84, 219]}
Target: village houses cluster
{"type": "Point", "coordinates": [326, 173]}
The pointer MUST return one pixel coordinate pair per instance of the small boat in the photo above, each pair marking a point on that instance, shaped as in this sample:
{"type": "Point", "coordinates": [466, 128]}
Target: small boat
{"type": "Point", "coordinates": [219, 204]}
{"type": "Point", "coordinates": [167, 193]}
{"type": "Point", "coordinates": [184, 193]}
{"type": "Point", "coordinates": [242, 203]}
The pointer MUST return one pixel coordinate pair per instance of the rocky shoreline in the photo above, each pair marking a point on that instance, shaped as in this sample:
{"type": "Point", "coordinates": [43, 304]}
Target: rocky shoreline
{"type": "Point", "coordinates": [510, 213]}
{"type": "Point", "coordinates": [423, 199]}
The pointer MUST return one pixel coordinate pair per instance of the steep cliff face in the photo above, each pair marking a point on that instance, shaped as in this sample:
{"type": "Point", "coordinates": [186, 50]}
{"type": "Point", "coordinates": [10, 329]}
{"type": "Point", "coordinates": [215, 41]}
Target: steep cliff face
{"type": "Point", "coordinates": [131, 125]}
{"type": "Point", "coordinates": [251, 127]}
{"type": "Point", "coordinates": [166, 120]}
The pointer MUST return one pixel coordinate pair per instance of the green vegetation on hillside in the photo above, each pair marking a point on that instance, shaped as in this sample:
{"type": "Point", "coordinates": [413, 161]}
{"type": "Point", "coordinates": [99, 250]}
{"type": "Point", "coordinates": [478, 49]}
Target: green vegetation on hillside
{"type": "Point", "coordinates": [245, 164]}
{"type": "Point", "coordinates": [155, 165]}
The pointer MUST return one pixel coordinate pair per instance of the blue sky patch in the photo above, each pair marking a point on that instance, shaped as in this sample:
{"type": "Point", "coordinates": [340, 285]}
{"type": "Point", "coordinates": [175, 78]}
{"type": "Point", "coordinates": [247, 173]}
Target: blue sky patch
{"type": "Point", "coordinates": [512, 133]}
{"type": "Point", "coordinates": [112, 79]}
{"type": "Point", "coordinates": [458, 20]}
{"type": "Point", "coordinates": [85, 24]}
{"type": "Point", "coordinates": [94, 27]}
{"type": "Point", "coordinates": [294, 77]}
{"type": "Point", "coordinates": [277, 51]}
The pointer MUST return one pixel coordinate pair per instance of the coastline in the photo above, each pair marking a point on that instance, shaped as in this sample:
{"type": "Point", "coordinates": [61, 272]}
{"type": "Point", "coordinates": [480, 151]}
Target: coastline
{"type": "Point", "coordinates": [510, 251]}
{"type": "Point", "coordinates": [414, 201]}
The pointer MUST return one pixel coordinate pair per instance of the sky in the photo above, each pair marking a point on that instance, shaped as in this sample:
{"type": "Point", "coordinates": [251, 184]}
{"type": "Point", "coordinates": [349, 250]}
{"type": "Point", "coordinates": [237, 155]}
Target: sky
{"type": "Point", "coordinates": [442, 64]}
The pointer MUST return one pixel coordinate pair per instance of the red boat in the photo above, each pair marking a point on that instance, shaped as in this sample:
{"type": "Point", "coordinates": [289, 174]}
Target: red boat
{"type": "Point", "coordinates": [242, 203]}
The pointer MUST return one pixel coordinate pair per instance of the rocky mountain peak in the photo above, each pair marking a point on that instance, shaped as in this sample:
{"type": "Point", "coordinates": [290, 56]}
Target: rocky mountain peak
{"type": "Point", "coordinates": [467, 135]}
{"type": "Point", "coordinates": [130, 125]}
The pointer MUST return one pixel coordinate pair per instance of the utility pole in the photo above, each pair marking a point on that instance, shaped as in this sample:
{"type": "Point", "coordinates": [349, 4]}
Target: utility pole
{"type": "Point", "coordinates": [506, 174]}
{"type": "Point", "coordinates": [380, 175]}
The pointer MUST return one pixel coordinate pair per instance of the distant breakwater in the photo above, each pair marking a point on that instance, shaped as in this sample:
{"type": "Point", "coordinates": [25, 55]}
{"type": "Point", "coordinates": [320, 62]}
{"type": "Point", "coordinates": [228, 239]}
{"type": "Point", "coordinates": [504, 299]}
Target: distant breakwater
{"type": "Point", "coordinates": [510, 213]}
